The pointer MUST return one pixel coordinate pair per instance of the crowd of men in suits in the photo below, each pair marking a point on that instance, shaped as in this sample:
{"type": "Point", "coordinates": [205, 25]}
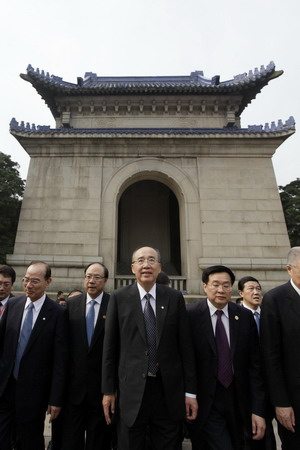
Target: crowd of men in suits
{"type": "Point", "coordinates": [126, 370]}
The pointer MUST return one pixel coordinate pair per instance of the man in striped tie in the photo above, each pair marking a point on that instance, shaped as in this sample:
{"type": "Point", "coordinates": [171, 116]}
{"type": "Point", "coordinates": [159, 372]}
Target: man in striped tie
{"type": "Point", "coordinates": [148, 361]}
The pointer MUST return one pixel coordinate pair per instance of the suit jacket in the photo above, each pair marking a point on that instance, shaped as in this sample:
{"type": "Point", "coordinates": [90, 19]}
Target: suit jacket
{"type": "Point", "coordinates": [244, 347]}
{"type": "Point", "coordinates": [42, 374]}
{"type": "Point", "coordinates": [125, 360]}
{"type": "Point", "coordinates": [85, 362]}
{"type": "Point", "coordinates": [280, 341]}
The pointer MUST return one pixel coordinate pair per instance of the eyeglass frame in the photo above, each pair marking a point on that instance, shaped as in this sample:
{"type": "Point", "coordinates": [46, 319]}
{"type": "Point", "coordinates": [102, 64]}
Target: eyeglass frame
{"type": "Point", "coordinates": [34, 281]}
{"type": "Point", "coordinates": [94, 277]}
{"type": "Point", "coordinates": [141, 261]}
{"type": "Point", "coordinates": [217, 286]}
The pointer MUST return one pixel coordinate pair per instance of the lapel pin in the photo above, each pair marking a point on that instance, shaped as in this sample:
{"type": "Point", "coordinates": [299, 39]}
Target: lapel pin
{"type": "Point", "coordinates": [162, 307]}
{"type": "Point", "coordinates": [236, 317]}
{"type": "Point", "coordinates": [104, 317]}
{"type": "Point", "coordinates": [44, 318]}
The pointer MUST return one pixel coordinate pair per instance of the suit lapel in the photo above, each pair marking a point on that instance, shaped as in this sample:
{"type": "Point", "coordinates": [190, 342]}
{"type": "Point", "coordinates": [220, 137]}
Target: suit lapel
{"type": "Point", "coordinates": [293, 299]}
{"type": "Point", "coordinates": [135, 305]}
{"type": "Point", "coordinates": [42, 319]}
{"type": "Point", "coordinates": [234, 323]}
{"type": "Point", "coordinates": [162, 304]}
{"type": "Point", "coordinates": [100, 319]}
{"type": "Point", "coordinates": [205, 324]}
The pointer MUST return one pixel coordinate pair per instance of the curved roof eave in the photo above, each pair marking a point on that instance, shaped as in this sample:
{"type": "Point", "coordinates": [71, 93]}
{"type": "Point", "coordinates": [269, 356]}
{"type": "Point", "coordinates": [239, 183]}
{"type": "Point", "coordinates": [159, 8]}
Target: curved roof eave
{"type": "Point", "coordinates": [249, 84]}
{"type": "Point", "coordinates": [273, 130]}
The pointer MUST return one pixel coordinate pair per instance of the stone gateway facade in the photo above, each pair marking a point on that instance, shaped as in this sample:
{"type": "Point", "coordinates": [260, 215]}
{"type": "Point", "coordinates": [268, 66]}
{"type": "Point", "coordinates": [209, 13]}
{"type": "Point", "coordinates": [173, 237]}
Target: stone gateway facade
{"type": "Point", "coordinates": [159, 161]}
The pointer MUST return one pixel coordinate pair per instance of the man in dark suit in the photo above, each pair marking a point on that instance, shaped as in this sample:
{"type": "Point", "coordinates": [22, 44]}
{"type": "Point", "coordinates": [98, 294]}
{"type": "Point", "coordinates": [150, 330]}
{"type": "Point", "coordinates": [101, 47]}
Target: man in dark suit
{"type": "Point", "coordinates": [227, 357]}
{"type": "Point", "coordinates": [280, 341]}
{"type": "Point", "coordinates": [85, 426]}
{"type": "Point", "coordinates": [33, 361]}
{"type": "Point", "coordinates": [148, 359]}
{"type": "Point", "coordinates": [251, 294]}
{"type": "Point", "coordinates": [7, 279]}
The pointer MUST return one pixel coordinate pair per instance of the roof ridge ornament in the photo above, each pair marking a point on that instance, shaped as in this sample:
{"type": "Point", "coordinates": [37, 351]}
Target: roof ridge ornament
{"type": "Point", "coordinates": [273, 128]}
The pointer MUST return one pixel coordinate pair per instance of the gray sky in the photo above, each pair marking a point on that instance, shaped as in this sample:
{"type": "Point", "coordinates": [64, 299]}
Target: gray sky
{"type": "Point", "coordinates": [162, 37]}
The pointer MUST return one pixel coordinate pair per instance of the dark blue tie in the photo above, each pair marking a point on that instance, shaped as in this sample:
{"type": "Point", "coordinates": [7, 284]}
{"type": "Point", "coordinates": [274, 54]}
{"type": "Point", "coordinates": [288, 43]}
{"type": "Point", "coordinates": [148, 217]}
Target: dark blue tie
{"type": "Point", "coordinates": [225, 373]}
{"type": "Point", "coordinates": [150, 325]}
{"type": "Point", "coordinates": [90, 322]}
{"type": "Point", "coordinates": [24, 337]}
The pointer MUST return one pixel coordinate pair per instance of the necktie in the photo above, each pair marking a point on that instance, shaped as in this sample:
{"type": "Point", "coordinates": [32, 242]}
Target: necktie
{"type": "Point", "coordinates": [257, 320]}
{"type": "Point", "coordinates": [2, 307]}
{"type": "Point", "coordinates": [150, 325]}
{"type": "Point", "coordinates": [90, 321]}
{"type": "Point", "coordinates": [225, 373]}
{"type": "Point", "coordinates": [24, 337]}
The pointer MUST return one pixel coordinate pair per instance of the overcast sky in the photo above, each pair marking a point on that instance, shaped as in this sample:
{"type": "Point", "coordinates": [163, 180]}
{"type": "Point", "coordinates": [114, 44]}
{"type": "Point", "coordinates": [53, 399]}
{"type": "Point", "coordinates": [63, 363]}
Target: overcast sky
{"type": "Point", "coordinates": [158, 37]}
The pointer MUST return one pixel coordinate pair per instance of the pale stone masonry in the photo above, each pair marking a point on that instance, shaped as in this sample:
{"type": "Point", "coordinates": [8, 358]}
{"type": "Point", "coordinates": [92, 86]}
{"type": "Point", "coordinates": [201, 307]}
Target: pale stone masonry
{"type": "Point", "coordinates": [183, 135]}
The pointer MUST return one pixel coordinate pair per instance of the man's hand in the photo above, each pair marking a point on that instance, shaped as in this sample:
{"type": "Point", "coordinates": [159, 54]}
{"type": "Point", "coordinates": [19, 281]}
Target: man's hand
{"type": "Point", "coordinates": [191, 408]}
{"type": "Point", "coordinates": [258, 427]}
{"type": "Point", "coordinates": [53, 411]}
{"type": "Point", "coordinates": [286, 417]}
{"type": "Point", "coordinates": [109, 406]}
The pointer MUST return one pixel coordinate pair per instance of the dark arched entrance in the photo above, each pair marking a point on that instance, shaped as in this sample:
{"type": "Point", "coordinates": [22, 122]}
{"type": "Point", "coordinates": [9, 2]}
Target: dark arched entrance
{"type": "Point", "coordinates": [148, 214]}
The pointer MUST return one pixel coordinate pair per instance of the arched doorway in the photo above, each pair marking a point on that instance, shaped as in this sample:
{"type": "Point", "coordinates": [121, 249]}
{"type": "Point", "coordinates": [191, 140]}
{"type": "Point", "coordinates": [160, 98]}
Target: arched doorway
{"type": "Point", "coordinates": [148, 214]}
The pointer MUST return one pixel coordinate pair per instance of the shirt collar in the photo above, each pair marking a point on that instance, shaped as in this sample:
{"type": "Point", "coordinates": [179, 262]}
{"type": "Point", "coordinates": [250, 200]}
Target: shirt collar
{"type": "Point", "coordinates": [97, 299]}
{"type": "Point", "coordinates": [250, 309]}
{"type": "Point", "coordinates": [142, 291]}
{"type": "Point", "coordinates": [37, 304]}
{"type": "Point", "coordinates": [295, 287]}
{"type": "Point", "coordinates": [213, 309]}
{"type": "Point", "coordinates": [4, 301]}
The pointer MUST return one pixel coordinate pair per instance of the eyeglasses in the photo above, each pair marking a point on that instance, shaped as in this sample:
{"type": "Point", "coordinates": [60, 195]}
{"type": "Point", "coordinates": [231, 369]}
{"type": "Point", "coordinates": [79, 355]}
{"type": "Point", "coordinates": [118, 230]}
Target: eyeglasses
{"type": "Point", "coordinates": [141, 261]}
{"type": "Point", "coordinates": [33, 281]}
{"type": "Point", "coordinates": [216, 286]}
{"type": "Point", "coordinates": [93, 277]}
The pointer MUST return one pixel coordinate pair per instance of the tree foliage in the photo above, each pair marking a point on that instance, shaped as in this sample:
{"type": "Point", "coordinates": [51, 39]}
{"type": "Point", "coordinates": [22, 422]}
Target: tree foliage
{"type": "Point", "coordinates": [11, 191]}
{"type": "Point", "coordinates": [290, 199]}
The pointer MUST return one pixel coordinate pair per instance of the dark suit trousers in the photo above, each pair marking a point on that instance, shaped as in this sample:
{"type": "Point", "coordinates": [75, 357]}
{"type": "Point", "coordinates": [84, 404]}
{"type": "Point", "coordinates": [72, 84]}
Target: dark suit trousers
{"type": "Point", "coordinates": [223, 428]}
{"type": "Point", "coordinates": [85, 428]}
{"type": "Point", "coordinates": [29, 434]}
{"type": "Point", "coordinates": [152, 421]}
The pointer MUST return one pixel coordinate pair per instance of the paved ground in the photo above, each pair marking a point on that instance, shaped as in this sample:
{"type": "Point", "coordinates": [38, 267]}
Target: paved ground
{"type": "Point", "coordinates": [185, 446]}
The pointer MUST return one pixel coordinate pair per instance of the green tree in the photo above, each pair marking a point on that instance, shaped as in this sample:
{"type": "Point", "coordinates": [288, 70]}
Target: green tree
{"type": "Point", "coordinates": [11, 191]}
{"type": "Point", "coordinates": [290, 199]}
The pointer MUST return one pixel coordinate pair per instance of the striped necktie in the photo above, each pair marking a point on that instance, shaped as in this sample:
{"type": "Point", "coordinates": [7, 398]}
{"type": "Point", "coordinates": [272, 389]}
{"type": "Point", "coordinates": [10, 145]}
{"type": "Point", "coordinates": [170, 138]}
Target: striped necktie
{"type": "Point", "coordinates": [150, 325]}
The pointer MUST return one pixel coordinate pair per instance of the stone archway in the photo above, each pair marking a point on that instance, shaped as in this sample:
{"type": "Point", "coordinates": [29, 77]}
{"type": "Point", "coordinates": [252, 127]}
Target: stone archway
{"type": "Point", "coordinates": [148, 214]}
{"type": "Point", "coordinates": [187, 196]}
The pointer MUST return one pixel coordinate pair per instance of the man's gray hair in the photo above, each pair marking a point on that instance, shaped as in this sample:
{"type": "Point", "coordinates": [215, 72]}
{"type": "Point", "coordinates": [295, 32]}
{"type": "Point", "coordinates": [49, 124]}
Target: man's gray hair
{"type": "Point", "coordinates": [293, 257]}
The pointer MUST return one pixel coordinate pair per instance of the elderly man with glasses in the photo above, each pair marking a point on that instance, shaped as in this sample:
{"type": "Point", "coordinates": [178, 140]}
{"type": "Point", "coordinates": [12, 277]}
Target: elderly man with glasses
{"type": "Point", "coordinates": [33, 361]}
{"type": "Point", "coordinates": [148, 363]}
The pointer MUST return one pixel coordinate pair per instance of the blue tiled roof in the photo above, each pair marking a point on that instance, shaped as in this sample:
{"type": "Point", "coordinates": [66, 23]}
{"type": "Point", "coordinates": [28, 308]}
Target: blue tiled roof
{"type": "Point", "coordinates": [246, 84]}
{"type": "Point", "coordinates": [273, 129]}
{"type": "Point", "coordinates": [192, 82]}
